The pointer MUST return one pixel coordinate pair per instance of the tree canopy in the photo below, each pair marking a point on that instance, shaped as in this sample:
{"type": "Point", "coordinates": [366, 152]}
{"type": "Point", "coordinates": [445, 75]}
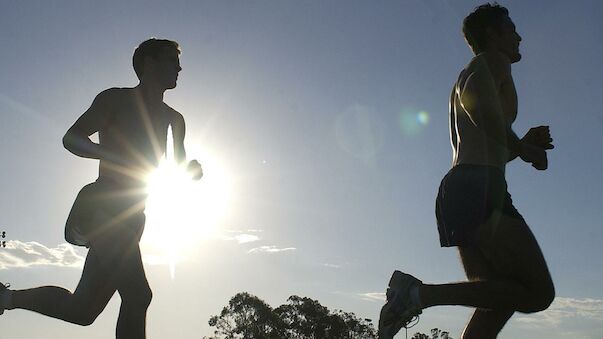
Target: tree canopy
{"type": "Point", "coordinates": [247, 316]}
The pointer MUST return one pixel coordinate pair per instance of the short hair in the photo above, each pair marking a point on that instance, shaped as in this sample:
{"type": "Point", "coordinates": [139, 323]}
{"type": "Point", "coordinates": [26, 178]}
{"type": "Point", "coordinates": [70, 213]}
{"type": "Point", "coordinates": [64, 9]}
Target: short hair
{"type": "Point", "coordinates": [476, 24]}
{"type": "Point", "coordinates": [150, 48]}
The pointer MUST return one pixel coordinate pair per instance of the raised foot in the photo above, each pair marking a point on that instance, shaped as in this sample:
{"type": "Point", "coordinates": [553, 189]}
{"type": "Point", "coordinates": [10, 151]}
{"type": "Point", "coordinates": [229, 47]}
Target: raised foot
{"type": "Point", "coordinates": [399, 310]}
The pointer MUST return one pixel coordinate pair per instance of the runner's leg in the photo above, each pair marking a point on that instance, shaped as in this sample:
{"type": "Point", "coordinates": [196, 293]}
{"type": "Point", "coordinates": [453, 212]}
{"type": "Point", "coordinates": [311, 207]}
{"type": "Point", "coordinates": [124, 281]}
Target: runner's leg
{"type": "Point", "coordinates": [510, 247]}
{"type": "Point", "coordinates": [80, 307]}
{"type": "Point", "coordinates": [120, 252]}
{"type": "Point", "coordinates": [485, 323]}
{"type": "Point", "coordinates": [136, 296]}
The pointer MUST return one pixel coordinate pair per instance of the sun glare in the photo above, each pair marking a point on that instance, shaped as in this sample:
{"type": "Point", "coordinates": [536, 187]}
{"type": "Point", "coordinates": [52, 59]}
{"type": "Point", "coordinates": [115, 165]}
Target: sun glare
{"type": "Point", "coordinates": [181, 213]}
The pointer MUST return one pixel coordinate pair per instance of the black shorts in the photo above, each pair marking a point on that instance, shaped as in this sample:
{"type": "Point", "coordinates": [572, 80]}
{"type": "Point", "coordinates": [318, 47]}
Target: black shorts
{"type": "Point", "coordinates": [105, 206]}
{"type": "Point", "coordinates": [467, 197]}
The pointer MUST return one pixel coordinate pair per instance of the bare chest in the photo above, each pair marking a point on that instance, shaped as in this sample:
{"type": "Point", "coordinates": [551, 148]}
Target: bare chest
{"type": "Point", "coordinates": [508, 100]}
{"type": "Point", "coordinates": [137, 126]}
{"type": "Point", "coordinates": [136, 119]}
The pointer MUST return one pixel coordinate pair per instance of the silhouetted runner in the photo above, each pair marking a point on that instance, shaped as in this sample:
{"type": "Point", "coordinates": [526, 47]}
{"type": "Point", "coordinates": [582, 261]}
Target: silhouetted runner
{"type": "Point", "coordinates": [503, 262]}
{"type": "Point", "coordinates": [107, 215]}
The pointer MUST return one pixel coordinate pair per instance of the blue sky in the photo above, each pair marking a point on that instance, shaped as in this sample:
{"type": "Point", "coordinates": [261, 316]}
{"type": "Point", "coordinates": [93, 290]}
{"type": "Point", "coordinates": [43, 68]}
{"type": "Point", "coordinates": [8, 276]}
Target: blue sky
{"type": "Point", "coordinates": [326, 123]}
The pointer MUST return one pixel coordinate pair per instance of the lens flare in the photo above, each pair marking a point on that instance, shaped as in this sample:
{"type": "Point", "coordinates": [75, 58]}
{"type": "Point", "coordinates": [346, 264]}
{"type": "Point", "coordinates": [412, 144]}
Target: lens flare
{"type": "Point", "coordinates": [423, 118]}
{"type": "Point", "coordinates": [412, 122]}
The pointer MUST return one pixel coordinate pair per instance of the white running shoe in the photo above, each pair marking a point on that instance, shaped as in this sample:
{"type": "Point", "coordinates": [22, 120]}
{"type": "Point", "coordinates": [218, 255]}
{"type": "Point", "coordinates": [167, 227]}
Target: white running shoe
{"type": "Point", "coordinates": [399, 311]}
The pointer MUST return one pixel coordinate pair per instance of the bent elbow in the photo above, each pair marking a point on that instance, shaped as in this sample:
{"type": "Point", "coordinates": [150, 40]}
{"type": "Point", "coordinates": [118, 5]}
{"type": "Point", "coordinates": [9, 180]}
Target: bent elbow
{"type": "Point", "coordinates": [67, 141]}
{"type": "Point", "coordinates": [70, 141]}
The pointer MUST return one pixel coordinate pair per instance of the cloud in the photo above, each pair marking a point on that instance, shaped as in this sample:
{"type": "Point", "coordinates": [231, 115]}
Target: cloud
{"type": "Point", "coordinates": [270, 249]}
{"type": "Point", "coordinates": [331, 265]}
{"type": "Point", "coordinates": [372, 296]}
{"type": "Point", "coordinates": [245, 238]}
{"type": "Point", "coordinates": [242, 237]}
{"type": "Point", "coordinates": [19, 254]}
{"type": "Point", "coordinates": [564, 310]}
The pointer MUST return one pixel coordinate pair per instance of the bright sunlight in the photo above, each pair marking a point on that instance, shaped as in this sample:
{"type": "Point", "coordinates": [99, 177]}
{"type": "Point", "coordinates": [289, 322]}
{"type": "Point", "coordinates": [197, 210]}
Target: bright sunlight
{"type": "Point", "coordinates": [181, 213]}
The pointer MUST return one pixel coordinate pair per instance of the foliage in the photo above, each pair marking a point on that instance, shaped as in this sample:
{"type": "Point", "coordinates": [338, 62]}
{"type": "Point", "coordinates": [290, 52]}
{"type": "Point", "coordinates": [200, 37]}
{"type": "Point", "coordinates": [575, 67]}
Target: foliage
{"type": "Point", "coordinates": [247, 316]}
{"type": "Point", "coordinates": [436, 333]}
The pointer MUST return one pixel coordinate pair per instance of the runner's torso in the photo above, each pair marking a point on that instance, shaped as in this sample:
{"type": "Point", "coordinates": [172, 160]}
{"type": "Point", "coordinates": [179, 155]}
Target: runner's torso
{"type": "Point", "coordinates": [470, 144]}
{"type": "Point", "coordinates": [135, 133]}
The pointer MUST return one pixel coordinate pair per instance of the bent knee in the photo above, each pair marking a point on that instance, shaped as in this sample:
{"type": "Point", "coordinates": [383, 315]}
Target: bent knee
{"type": "Point", "coordinates": [85, 318]}
{"type": "Point", "coordinates": [541, 299]}
{"type": "Point", "coordinates": [545, 300]}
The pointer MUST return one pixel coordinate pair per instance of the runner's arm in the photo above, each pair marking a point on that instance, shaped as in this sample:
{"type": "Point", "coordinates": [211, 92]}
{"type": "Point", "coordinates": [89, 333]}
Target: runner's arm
{"type": "Point", "coordinates": [178, 133]}
{"type": "Point", "coordinates": [77, 139]}
{"type": "Point", "coordinates": [480, 99]}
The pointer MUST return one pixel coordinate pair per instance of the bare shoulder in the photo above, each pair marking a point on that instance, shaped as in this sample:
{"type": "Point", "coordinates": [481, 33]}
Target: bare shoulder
{"type": "Point", "coordinates": [113, 92]}
{"type": "Point", "coordinates": [113, 96]}
{"type": "Point", "coordinates": [174, 116]}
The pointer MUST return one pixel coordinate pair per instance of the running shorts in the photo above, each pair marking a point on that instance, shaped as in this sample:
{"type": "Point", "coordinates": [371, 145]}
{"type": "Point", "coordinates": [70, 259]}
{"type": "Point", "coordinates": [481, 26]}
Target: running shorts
{"type": "Point", "coordinates": [467, 196]}
{"type": "Point", "coordinates": [105, 206]}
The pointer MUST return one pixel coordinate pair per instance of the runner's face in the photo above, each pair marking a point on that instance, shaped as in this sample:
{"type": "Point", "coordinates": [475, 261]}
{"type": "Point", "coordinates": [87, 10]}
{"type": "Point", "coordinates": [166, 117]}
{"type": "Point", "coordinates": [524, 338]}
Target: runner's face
{"type": "Point", "coordinates": [507, 40]}
{"type": "Point", "coordinates": [166, 68]}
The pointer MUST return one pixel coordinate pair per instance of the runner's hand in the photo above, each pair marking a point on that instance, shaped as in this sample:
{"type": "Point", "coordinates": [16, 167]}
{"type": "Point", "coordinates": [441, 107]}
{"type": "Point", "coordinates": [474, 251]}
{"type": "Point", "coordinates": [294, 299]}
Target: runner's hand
{"type": "Point", "coordinates": [539, 136]}
{"type": "Point", "coordinates": [534, 155]}
{"type": "Point", "coordinates": [195, 168]}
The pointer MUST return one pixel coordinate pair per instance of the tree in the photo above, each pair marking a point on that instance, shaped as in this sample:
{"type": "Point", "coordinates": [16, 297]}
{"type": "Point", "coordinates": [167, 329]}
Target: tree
{"type": "Point", "coordinates": [436, 333]}
{"type": "Point", "coordinates": [356, 327]}
{"type": "Point", "coordinates": [247, 316]}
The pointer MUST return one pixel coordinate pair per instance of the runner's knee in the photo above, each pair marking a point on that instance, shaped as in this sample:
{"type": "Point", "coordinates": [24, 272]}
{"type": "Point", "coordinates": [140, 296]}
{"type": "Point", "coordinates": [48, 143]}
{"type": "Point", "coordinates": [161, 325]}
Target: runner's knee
{"type": "Point", "coordinates": [84, 317]}
{"type": "Point", "coordinates": [542, 298]}
{"type": "Point", "coordinates": [546, 298]}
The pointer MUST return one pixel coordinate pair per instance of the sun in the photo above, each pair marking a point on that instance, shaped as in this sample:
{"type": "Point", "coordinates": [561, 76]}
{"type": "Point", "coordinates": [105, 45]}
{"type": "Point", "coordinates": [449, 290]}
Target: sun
{"type": "Point", "coordinates": [180, 212]}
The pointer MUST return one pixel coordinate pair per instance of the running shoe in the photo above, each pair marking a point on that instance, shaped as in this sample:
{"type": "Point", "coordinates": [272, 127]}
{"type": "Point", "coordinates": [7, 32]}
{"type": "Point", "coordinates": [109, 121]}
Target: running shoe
{"type": "Point", "coordinates": [399, 311]}
{"type": "Point", "coordinates": [3, 289]}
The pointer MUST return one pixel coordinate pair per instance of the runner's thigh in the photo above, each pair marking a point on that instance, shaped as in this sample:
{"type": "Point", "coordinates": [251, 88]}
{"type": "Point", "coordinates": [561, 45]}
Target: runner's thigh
{"type": "Point", "coordinates": [511, 248]}
{"type": "Point", "coordinates": [484, 322]}
{"type": "Point", "coordinates": [95, 287]}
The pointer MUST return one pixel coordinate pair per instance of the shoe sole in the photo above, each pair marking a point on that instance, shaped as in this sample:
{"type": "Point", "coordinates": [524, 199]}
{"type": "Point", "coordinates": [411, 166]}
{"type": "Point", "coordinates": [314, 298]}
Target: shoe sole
{"type": "Point", "coordinates": [400, 286]}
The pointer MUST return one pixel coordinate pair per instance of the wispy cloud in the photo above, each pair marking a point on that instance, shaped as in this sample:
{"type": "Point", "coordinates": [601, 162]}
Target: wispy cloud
{"type": "Point", "coordinates": [564, 310]}
{"type": "Point", "coordinates": [328, 265]}
{"type": "Point", "coordinates": [245, 238]}
{"type": "Point", "coordinates": [270, 249]}
{"type": "Point", "coordinates": [19, 254]}
{"type": "Point", "coordinates": [242, 237]}
{"type": "Point", "coordinates": [372, 296]}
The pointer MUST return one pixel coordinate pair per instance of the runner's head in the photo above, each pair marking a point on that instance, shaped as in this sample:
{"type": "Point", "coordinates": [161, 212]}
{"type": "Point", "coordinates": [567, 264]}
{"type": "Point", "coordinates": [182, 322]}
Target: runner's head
{"type": "Point", "coordinates": [489, 27]}
{"type": "Point", "coordinates": [157, 60]}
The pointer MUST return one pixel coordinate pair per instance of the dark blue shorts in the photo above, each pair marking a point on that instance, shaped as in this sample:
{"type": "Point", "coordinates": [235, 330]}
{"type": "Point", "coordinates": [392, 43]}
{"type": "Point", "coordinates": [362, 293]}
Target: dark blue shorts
{"type": "Point", "coordinates": [467, 197]}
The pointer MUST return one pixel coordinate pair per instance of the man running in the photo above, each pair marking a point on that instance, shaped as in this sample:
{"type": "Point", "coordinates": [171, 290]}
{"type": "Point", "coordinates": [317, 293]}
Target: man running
{"type": "Point", "coordinates": [503, 262]}
{"type": "Point", "coordinates": [107, 216]}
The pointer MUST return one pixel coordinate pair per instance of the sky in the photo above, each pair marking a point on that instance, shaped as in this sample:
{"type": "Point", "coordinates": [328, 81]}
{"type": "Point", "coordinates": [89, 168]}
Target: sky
{"type": "Point", "coordinates": [322, 127]}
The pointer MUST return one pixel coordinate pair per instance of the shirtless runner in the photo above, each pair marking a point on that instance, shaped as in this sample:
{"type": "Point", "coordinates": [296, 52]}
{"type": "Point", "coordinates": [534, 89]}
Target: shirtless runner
{"type": "Point", "coordinates": [107, 216]}
{"type": "Point", "coordinates": [503, 262]}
